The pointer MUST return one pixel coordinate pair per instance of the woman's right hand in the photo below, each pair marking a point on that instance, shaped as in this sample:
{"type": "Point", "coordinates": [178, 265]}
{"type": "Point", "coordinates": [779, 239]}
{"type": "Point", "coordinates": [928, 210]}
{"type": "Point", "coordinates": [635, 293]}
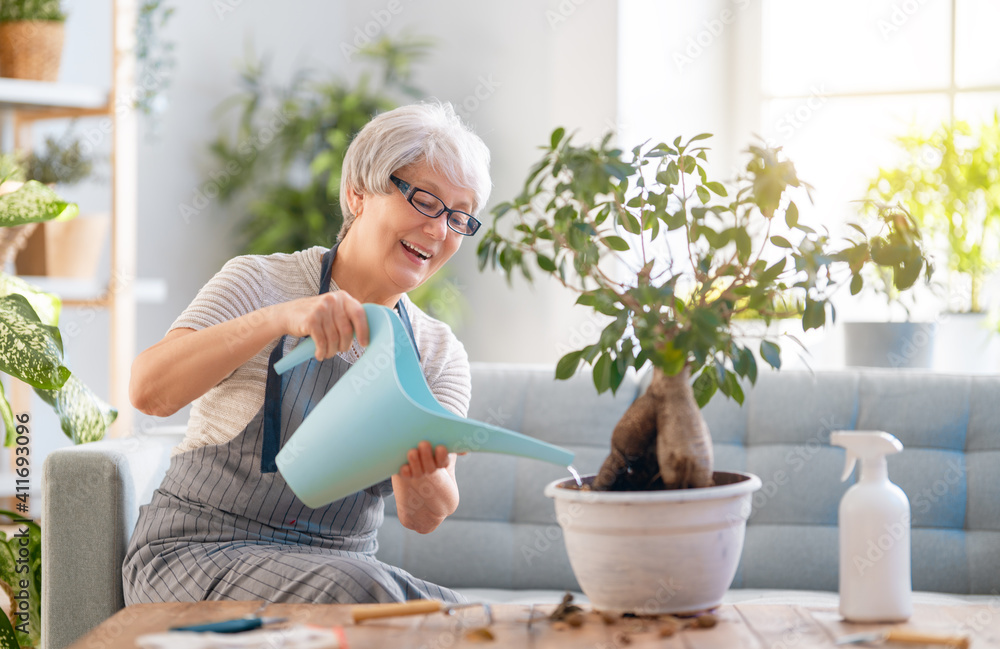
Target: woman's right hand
{"type": "Point", "coordinates": [332, 320]}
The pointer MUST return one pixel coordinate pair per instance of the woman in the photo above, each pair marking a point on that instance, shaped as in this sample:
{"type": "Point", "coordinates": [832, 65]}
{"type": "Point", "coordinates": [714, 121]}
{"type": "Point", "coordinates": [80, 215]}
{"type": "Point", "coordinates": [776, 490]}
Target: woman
{"type": "Point", "coordinates": [223, 524]}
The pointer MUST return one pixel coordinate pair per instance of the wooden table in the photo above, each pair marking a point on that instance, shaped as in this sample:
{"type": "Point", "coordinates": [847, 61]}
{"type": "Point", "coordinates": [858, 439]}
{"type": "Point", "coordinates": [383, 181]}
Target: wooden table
{"type": "Point", "coordinates": [750, 625]}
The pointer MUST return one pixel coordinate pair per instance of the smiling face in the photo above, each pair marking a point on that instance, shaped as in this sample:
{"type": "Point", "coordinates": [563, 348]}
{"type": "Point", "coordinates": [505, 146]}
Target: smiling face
{"type": "Point", "coordinates": [391, 247]}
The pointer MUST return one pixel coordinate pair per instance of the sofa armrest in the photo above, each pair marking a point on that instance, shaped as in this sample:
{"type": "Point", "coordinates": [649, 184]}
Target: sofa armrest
{"type": "Point", "coordinates": [90, 503]}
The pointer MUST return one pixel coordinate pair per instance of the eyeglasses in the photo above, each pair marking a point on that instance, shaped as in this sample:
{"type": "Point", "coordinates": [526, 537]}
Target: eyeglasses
{"type": "Point", "coordinates": [430, 205]}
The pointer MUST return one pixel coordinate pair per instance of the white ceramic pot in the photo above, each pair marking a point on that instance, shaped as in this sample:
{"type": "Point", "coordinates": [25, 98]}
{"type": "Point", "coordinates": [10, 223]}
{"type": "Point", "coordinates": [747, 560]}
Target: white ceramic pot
{"type": "Point", "coordinates": [653, 552]}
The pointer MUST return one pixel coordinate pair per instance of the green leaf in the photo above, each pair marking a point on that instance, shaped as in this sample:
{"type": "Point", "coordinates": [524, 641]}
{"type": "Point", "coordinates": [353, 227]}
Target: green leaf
{"type": "Point", "coordinates": [771, 353]}
{"type": "Point", "coordinates": [700, 136]}
{"type": "Point", "coordinates": [857, 283]}
{"type": "Point", "coordinates": [703, 194]}
{"type": "Point", "coordinates": [46, 305]}
{"type": "Point", "coordinates": [13, 572]}
{"type": "Point", "coordinates": [616, 243]}
{"type": "Point", "coordinates": [733, 388]}
{"type": "Point", "coordinates": [792, 215]}
{"type": "Point", "coordinates": [557, 136]}
{"type": "Point", "coordinates": [7, 638]}
{"type": "Point", "coordinates": [602, 373]}
{"type": "Point", "coordinates": [717, 188]}
{"type": "Point", "coordinates": [780, 241]}
{"type": "Point", "coordinates": [34, 203]}
{"type": "Point", "coordinates": [814, 315]}
{"type": "Point", "coordinates": [83, 415]}
{"type": "Point", "coordinates": [743, 244]}
{"type": "Point", "coordinates": [10, 428]}
{"type": "Point", "coordinates": [671, 359]}
{"type": "Point", "coordinates": [704, 387]}
{"type": "Point", "coordinates": [629, 222]}
{"type": "Point", "coordinates": [29, 350]}
{"type": "Point", "coordinates": [617, 375]}
{"type": "Point", "coordinates": [566, 367]}
{"type": "Point", "coordinates": [545, 263]}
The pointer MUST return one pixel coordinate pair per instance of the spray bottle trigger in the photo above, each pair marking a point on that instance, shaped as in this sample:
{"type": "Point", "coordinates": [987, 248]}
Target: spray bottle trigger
{"type": "Point", "coordinates": [849, 465]}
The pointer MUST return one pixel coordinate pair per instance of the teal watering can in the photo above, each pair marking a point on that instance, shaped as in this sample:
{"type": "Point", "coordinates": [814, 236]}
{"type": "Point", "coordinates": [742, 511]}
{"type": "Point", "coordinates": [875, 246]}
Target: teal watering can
{"type": "Point", "coordinates": [359, 432]}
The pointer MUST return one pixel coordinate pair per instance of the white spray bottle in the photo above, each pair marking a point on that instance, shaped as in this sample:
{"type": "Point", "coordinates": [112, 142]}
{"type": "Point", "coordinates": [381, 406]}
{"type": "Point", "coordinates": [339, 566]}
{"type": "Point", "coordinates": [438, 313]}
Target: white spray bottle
{"type": "Point", "coordinates": [874, 521]}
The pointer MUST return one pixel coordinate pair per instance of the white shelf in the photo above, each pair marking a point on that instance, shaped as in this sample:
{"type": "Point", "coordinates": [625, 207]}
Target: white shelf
{"type": "Point", "coordinates": [21, 93]}
{"type": "Point", "coordinates": [147, 290]}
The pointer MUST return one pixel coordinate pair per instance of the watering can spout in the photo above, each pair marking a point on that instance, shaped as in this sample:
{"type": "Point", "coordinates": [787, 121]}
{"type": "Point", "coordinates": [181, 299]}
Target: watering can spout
{"type": "Point", "coordinates": [361, 430]}
{"type": "Point", "coordinates": [472, 436]}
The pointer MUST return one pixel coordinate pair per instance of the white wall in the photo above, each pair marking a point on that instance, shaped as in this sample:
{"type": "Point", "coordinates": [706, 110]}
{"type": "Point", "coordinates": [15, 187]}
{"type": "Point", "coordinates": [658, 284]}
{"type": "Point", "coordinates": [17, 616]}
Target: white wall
{"type": "Point", "coordinates": [519, 69]}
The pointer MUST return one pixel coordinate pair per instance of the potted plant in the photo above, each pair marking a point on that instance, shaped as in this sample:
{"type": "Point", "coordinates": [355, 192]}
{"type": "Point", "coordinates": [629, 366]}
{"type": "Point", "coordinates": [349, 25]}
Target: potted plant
{"type": "Point", "coordinates": [63, 248]}
{"type": "Point", "coordinates": [948, 181]}
{"type": "Point", "coordinates": [899, 340]}
{"type": "Point", "coordinates": [671, 259]}
{"type": "Point", "coordinates": [31, 39]}
{"type": "Point", "coordinates": [33, 353]}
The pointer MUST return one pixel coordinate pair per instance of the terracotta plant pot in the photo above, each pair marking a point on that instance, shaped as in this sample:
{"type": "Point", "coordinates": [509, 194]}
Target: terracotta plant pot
{"type": "Point", "coordinates": [655, 552]}
{"type": "Point", "coordinates": [66, 248]}
{"type": "Point", "coordinates": [31, 49]}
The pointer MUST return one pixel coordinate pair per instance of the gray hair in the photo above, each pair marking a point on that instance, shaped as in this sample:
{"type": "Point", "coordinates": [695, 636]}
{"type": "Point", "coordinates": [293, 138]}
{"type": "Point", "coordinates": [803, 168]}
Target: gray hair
{"type": "Point", "coordinates": [429, 133]}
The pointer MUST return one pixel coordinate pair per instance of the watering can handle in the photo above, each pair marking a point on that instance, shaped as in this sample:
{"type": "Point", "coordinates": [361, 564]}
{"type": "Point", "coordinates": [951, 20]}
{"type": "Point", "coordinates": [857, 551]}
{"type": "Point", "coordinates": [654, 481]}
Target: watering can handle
{"type": "Point", "coordinates": [302, 352]}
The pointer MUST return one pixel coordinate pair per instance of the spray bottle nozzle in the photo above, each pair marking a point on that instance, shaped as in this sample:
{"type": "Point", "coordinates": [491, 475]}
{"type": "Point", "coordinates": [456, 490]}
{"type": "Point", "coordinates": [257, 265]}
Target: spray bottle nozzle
{"type": "Point", "coordinates": [864, 445]}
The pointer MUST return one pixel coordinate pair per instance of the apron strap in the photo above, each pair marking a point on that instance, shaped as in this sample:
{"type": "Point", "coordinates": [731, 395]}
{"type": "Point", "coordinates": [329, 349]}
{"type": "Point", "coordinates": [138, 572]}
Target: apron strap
{"type": "Point", "coordinates": [271, 439]}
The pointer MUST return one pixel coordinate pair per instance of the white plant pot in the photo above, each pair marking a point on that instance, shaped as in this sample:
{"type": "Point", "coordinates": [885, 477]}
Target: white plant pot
{"type": "Point", "coordinates": [654, 552]}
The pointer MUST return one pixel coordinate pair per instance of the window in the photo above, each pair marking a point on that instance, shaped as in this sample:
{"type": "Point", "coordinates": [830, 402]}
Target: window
{"type": "Point", "coordinates": [832, 83]}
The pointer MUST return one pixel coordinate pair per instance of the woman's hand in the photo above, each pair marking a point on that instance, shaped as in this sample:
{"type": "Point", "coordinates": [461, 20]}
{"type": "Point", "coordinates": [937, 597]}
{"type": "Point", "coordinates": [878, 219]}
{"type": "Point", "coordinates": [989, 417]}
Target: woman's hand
{"type": "Point", "coordinates": [332, 320]}
{"type": "Point", "coordinates": [425, 488]}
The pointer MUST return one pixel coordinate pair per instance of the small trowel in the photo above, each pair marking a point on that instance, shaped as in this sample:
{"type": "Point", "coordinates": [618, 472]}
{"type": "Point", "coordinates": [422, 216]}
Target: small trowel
{"type": "Point", "coordinates": [907, 636]}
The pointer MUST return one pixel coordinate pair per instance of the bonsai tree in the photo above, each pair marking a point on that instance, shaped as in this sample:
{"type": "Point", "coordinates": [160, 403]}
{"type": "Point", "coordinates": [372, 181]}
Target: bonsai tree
{"type": "Point", "coordinates": [950, 183]}
{"type": "Point", "coordinates": [671, 258]}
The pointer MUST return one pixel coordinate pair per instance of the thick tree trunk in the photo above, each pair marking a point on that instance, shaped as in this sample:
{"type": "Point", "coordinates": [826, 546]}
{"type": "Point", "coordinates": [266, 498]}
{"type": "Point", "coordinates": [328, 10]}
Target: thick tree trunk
{"type": "Point", "coordinates": [661, 442]}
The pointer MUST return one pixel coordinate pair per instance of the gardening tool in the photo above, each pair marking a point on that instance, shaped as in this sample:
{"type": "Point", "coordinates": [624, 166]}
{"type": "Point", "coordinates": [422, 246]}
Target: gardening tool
{"type": "Point", "coordinates": [236, 625]}
{"type": "Point", "coordinates": [361, 430]}
{"type": "Point", "coordinates": [413, 607]}
{"type": "Point", "coordinates": [906, 636]}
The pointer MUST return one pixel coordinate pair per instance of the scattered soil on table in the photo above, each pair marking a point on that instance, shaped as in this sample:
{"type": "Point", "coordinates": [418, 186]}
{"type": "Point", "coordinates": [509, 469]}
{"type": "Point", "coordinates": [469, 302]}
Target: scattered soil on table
{"type": "Point", "coordinates": [568, 615]}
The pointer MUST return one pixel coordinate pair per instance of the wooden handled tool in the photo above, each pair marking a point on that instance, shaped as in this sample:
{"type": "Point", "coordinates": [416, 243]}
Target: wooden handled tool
{"type": "Point", "coordinates": [412, 607]}
{"type": "Point", "coordinates": [908, 636]}
{"type": "Point", "coordinates": [919, 637]}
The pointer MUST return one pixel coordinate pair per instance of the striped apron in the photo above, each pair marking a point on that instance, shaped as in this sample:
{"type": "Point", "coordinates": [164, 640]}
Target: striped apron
{"type": "Point", "coordinates": [225, 526]}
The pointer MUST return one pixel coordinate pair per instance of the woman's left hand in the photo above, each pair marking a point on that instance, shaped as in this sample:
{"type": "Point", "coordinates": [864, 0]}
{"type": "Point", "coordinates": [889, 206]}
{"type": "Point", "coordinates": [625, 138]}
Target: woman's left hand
{"type": "Point", "coordinates": [425, 488]}
{"type": "Point", "coordinates": [423, 460]}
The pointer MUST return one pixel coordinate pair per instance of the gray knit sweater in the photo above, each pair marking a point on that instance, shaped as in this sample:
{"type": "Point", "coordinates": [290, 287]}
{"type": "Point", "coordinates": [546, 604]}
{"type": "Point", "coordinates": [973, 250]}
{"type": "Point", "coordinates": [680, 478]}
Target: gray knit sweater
{"type": "Point", "coordinates": [248, 283]}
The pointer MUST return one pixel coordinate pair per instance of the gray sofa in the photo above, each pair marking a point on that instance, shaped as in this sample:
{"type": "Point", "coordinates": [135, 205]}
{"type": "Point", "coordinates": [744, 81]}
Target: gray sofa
{"type": "Point", "coordinates": [503, 543]}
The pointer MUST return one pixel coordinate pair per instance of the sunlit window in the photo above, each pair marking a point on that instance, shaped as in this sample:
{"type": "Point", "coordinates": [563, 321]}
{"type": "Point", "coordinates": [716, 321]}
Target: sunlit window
{"type": "Point", "coordinates": [831, 82]}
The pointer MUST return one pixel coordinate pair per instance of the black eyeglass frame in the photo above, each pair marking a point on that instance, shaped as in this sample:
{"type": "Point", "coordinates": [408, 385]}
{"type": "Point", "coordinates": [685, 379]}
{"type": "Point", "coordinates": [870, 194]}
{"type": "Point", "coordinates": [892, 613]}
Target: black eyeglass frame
{"type": "Point", "coordinates": [409, 191]}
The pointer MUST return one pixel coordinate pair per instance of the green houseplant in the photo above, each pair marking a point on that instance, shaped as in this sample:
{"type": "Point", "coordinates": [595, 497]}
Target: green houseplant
{"type": "Point", "coordinates": [64, 248]}
{"type": "Point", "coordinates": [31, 39]}
{"type": "Point", "coordinates": [670, 257]}
{"type": "Point", "coordinates": [29, 334]}
{"type": "Point", "coordinates": [289, 143]}
{"type": "Point", "coordinates": [949, 181]}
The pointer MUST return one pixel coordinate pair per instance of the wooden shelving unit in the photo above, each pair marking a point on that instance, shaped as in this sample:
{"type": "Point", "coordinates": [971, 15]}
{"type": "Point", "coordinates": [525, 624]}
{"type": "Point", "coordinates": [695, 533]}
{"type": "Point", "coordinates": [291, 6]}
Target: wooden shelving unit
{"type": "Point", "coordinates": [24, 103]}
